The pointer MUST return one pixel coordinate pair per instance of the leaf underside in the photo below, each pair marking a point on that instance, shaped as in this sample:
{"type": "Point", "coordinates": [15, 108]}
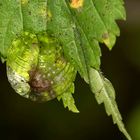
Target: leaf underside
{"type": "Point", "coordinates": [80, 30]}
{"type": "Point", "coordinates": [104, 93]}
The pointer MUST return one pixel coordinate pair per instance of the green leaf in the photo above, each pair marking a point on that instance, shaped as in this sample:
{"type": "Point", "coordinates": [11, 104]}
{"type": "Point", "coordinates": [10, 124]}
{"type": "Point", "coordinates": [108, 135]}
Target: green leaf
{"type": "Point", "coordinates": [80, 30]}
{"type": "Point", "coordinates": [22, 15]}
{"type": "Point", "coordinates": [10, 23]}
{"type": "Point", "coordinates": [104, 93]}
{"type": "Point", "coordinates": [68, 99]}
{"type": "Point", "coordinates": [63, 26]}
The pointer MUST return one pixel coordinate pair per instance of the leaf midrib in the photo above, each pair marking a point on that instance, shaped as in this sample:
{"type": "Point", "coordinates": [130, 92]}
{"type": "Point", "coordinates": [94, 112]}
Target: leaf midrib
{"type": "Point", "coordinates": [21, 14]}
{"type": "Point", "coordinates": [86, 63]}
{"type": "Point", "coordinates": [99, 15]}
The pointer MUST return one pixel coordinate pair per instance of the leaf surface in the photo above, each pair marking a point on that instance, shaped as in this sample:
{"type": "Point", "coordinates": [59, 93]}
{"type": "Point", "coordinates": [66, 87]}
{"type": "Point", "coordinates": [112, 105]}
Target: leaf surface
{"type": "Point", "coordinates": [80, 29]}
{"type": "Point", "coordinates": [22, 15]}
{"type": "Point", "coordinates": [68, 99]}
{"type": "Point", "coordinates": [105, 93]}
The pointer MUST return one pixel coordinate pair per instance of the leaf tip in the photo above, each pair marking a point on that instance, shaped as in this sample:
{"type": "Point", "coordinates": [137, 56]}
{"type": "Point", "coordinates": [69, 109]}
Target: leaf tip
{"type": "Point", "coordinates": [74, 110]}
{"type": "Point", "coordinates": [124, 131]}
{"type": "Point", "coordinates": [109, 40]}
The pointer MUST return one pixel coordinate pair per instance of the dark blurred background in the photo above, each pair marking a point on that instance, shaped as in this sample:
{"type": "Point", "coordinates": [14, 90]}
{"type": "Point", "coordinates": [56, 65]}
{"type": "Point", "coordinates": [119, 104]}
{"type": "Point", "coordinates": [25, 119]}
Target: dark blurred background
{"type": "Point", "coordinates": [21, 119]}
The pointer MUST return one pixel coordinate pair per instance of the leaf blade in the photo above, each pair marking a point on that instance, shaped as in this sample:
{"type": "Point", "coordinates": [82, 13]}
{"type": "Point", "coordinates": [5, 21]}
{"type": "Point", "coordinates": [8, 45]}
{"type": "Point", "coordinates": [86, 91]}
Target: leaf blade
{"type": "Point", "coordinates": [20, 16]}
{"type": "Point", "coordinates": [68, 100]}
{"type": "Point", "coordinates": [80, 42]}
{"type": "Point", "coordinates": [104, 93]}
{"type": "Point", "coordinates": [82, 36]}
{"type": "Point", "coordinates": [10, 24]}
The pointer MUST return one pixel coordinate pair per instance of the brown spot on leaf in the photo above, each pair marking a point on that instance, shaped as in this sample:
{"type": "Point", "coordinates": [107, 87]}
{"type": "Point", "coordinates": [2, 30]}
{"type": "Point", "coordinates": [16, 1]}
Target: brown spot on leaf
{"type": "Point", "coordinates": [105, 36]}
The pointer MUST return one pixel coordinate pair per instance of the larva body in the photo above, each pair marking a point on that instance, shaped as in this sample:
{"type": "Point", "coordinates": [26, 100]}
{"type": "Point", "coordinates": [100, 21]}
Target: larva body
{"type": "Point", "coordinates": [37, 69]}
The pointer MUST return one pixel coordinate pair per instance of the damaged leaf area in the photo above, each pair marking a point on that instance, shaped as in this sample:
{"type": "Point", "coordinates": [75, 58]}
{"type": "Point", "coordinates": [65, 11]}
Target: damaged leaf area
{"type": "Point", "coordinates": [79, 26]}
{"type": "Point", "coordinates": [76, 3]}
